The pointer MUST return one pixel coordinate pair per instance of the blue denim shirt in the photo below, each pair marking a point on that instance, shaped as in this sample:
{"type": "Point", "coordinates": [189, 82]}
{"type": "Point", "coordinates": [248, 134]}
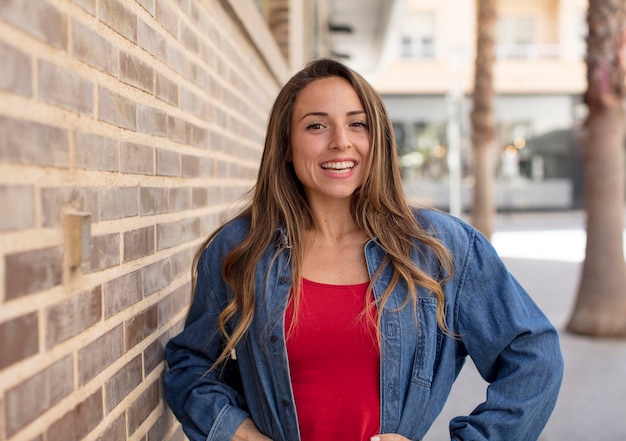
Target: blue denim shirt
{"type": "Point", "coordinates": [512, 343]}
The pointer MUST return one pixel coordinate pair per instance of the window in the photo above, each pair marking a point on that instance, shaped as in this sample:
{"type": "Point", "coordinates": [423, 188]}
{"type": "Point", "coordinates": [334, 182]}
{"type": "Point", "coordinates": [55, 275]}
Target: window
{"type": "Point", "coordinates": [417, 38]}
{"type": "Point", "coordinates": [515, 37]}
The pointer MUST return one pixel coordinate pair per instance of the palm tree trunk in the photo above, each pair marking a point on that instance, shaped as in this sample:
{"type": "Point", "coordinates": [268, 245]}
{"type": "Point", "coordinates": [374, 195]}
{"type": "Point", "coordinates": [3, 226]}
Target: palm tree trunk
{"type": "Point", "coordinates": [600, 308]}
{"type": "Point", "coordinates": [482, 119]}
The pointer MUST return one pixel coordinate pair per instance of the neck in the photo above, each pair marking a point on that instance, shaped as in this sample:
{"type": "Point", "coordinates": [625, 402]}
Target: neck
{"type": "Point", "coordinates": [333, 223]}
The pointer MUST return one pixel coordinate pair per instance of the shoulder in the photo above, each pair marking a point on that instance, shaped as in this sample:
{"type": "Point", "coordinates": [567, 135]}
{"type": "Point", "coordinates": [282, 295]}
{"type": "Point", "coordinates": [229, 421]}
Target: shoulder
{"type": "Point", "coordinates": [444, 226]}
{"type": "Point", "coordinates": [233, 231]}
{"type": "Point", "coordinates": [225, 239]}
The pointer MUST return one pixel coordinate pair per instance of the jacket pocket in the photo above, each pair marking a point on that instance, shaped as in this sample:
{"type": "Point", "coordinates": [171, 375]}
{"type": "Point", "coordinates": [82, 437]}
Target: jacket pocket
{"type": "Point", "coordinates": [426, 349]}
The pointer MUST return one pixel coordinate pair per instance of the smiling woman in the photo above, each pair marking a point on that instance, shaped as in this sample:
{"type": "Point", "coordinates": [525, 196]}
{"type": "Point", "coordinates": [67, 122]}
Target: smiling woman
{"type": "Point", "coordinates": [330, 142]}
{"type": "Point", "coordinates": [330, 309]}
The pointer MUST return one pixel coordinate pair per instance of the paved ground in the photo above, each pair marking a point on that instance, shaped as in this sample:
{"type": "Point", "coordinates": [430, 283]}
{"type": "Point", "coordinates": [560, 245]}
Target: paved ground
{"type": "Point", "coordinates": [544, 252]}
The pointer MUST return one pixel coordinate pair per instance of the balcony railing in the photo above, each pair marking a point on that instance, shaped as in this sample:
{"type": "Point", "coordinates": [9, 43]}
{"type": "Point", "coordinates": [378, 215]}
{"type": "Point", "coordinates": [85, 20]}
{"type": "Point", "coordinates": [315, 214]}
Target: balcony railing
{"type": "Point", "coordinates": [527, 51]}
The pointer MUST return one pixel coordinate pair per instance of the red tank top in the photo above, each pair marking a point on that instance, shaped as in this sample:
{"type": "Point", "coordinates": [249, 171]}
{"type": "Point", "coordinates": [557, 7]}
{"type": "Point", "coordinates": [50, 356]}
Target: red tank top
{"type": "Point", "coordinates": [334, 363]}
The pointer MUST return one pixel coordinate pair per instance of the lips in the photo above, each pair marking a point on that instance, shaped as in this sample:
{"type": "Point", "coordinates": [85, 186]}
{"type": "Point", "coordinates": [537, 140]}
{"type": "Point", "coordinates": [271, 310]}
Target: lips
{"type": "Point", "coordinates": [338, 167]}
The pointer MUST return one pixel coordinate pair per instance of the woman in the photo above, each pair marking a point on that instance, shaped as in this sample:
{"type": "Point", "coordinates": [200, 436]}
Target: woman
{"type": "Point", "coordinates": [329, 309]}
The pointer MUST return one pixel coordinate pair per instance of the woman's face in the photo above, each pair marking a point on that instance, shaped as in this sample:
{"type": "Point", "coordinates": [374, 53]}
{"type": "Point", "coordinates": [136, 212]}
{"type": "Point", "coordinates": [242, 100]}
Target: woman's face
{"type": "Point", "coordinates": [330, 140]}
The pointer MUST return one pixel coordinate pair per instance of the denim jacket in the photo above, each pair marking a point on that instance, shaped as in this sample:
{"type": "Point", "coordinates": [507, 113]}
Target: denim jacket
{"type": "Point", "coordinates": [494, 321]}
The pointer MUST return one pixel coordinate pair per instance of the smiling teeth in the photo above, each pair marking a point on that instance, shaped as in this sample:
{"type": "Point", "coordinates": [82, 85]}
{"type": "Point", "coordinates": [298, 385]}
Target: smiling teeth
{"type": "Point", "coordinates": [338, 165]}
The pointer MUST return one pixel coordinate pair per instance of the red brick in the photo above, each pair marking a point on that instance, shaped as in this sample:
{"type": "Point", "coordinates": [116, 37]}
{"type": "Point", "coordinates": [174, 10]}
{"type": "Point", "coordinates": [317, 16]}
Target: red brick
{"type": "Point", "coordinates": [181, 262]}
{"type": "Point", "coordinates": [79, 421]}
{"type": "Point", "coordinates": [167, 163]}
{"type": "Point", "coordinates": [193, 103]}
{"type": "Point", "coordinates": [171, 234]}
{"type": "Point", "coordinates": [99, 354]}
{"type": "Point", "coordinates": [19, 200]}
{"type": "Point", "coordinates": [154, 200]}
{"type": "Point", "coordinates": [180, 199]}
{"type": "Point", "coordinates": [96, 152]}
{"type": "Point", "coordinates": [105, 252]}
{"type": "Point", "coordinates": [19, 339]}
{"type": "Point", "coordinates": [223, 169]}
{"type": "Point", "coordinates": [118, 202]}
{"type": "Point", "coordinates": [140, 326]}
{"type": "Point", "coordinates": [156, 276]}
{"type": "Point", "coordinates": [217, 196]}
{"type": "Point", "coordinates": [151, 40]}
{"type": "Point", "coordinates": [122, 292]}
{"type": "Point", "coordinates": [161, 427]}
{"type": "Point", "coordinates": [63, 88]}
{"type": "Point", "coordinates": [199, 197]}
{"type": "Point", "coordinates": [201, 137]}
{"type": "Point", "coordinates": [220, 117]}
{"type": "Point", "coordinates": [114, 14]}
{"type": "Point", "coordinates": [166, 17]}
{"type": "Point", "coordinates": [29, 142]}
{"type": "Point", "coordinates": [139, 243]}
{"type": "Point", "coordinates": [137, 159]}
{"type": "Point", "coordinates": [143, 406]}
{"type": "Point", "coordinates": [38, 18]}
{"type": "Point", "coordinates": [93, 49]}
{"type": "Point", "coordinates": [178, 435]}
{"type": "Point", "coordinates": [218, 142]}
{"type": "Point", "coordinates": [178, 130]}
{"type": "Point", "coordinates": [136, 73]}
{"type": "Point", "coordinates": [208, 223]}
{"type": "Point", "coordinates": [151, 121]}
{"type": "Point", "coordinates": [72, 316]}
{"type": "Point", "coordinates": [183, 5]}
{"type": "Point", "coordinates": [178, 61]}
{"type": "Point", "coordinates": [117, 110]}
{"type": "Point", "coordinates": [116, 431]}
{"type": "Point", "coordinates": [189, 39]}
{"type": "Point", "coordinates": [173, 303]}
{"type": "Point", "coordinates": [87, 5]}
{"type": "Point", "coordinates": [15, 71]}
{"type": "Point", "coordinates": [153, 356]}
{"type": "Point", "coordinates": [166, 89]}
{"type": "Point", "coordinates": [148, 5]}
{"type": "Point", "coordinates": [32, 271]}
{"type": "Point", "coordinates": [53, 200]}
{"type": "Point", "coordinates": [123, 382]}
{"type": "Point", "coordinates": [193, 166]}
{"type": "Point", "coordinates": [30, 399]}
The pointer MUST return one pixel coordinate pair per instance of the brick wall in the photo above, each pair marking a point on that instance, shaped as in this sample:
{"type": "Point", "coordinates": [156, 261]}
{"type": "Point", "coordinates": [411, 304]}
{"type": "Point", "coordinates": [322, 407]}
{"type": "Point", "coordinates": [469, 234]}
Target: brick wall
{"type": "Point", "coordinates": [128, 130]}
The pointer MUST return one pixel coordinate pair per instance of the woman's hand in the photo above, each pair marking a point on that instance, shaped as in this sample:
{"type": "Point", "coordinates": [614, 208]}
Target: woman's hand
{"type": "Point", "coordinates": [389, 437]}
{"type": "Point", "coordinates": [248, 431]}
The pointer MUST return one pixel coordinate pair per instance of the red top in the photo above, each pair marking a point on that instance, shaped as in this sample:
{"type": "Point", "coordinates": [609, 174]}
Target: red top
{"type": "Point", "coordinates": [334, 364]}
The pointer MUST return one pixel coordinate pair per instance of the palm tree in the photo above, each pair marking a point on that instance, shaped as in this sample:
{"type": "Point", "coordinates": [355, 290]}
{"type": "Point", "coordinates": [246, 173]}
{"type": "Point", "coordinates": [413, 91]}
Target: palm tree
{"type": "Point", "coordinates": [600, 308]}
{"type": "Point", "coordinates": [482, 118]}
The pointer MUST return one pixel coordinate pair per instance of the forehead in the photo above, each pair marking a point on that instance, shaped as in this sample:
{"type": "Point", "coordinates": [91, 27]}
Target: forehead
{"type": "Point", "coordinates": [330, 91]}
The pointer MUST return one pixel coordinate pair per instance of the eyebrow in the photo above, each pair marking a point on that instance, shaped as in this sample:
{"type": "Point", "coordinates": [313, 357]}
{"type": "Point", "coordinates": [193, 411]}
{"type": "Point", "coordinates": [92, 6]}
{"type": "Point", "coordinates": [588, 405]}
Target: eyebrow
{"type": "Point", "coordinates": [351, 113]}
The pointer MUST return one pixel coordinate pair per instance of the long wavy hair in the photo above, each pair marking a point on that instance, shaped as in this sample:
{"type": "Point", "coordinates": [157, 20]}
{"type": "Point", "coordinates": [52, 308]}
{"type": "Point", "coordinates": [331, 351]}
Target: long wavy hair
{"type": "Point", "coordinates": [278, 201]}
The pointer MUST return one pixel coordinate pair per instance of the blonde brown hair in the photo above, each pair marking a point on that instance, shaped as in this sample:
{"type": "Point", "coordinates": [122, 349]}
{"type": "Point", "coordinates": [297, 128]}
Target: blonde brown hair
{"type": "Point", "coordinates": [278, 200]}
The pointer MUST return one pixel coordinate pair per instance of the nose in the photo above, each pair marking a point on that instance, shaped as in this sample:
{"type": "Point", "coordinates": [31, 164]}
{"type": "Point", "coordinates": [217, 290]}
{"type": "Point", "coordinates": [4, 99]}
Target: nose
{"type": "Point", "coordinates": [340, 140]}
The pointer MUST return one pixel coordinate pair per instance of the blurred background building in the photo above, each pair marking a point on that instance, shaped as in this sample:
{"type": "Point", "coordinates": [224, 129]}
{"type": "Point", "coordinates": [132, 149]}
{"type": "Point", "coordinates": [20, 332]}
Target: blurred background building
{"type": "Point", "coordinates": [425, 73]}
{"type": "Point", "coordinates": [539, 77]}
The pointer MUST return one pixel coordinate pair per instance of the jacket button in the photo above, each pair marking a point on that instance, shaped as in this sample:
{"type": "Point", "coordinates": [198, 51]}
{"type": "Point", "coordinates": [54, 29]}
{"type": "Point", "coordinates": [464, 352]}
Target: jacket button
{"type": "Point", "coordinates": [273, 339]}
{"type": "Point", "coordinates": [285, 403]}
{"type": "Point", "coordinates": [282, 280]}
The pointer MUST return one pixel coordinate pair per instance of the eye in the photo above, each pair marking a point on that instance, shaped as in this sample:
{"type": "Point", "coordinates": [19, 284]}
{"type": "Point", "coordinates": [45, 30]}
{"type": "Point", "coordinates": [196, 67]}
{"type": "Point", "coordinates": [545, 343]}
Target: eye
{"type": "Point", "coordinates": [359, 123]}
{"type": "Point", "coordinates": [315, 126]}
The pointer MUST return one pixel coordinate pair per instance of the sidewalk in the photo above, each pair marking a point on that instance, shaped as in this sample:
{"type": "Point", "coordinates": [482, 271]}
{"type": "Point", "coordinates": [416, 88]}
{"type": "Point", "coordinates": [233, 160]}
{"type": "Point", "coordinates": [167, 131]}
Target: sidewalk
{"type": "Point", "coordinates": [544, 252]}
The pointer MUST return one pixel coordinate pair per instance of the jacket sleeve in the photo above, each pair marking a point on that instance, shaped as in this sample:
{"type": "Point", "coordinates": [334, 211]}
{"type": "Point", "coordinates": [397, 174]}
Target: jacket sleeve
{"type": "Point", "coordinates": [514, 346]}
{"type": "Point", "coordinates": [204, 400]}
